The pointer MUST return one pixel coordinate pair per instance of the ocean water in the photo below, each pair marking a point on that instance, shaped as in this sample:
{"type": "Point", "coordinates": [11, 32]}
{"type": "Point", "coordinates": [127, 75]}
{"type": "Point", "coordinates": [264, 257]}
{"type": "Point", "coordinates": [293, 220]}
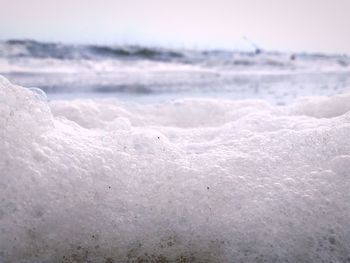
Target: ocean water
{"type": "Point", "coordinates": [158, 74]}
{"type": "Point", "coordinates": [220, 172]}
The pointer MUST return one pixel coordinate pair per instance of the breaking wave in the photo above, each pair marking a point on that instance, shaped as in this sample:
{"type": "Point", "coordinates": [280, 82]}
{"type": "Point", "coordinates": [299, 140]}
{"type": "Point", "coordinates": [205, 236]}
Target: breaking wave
{"type": "Point", "coordinates": [34, 49]}
{"type": "Point", "coordinates": [12, 49]}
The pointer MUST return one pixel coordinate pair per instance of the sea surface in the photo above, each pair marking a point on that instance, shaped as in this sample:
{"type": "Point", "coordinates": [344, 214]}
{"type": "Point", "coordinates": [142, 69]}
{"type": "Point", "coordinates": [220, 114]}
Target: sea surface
{"type": "Point", "coordinates": [159, 74]}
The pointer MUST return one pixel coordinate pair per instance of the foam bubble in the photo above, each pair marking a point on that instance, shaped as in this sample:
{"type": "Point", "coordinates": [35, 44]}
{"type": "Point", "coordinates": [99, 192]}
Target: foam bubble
{"type": "Point", "coordinates": [187, 181]}
{"type": "Point", "coordinates": [323, 107]}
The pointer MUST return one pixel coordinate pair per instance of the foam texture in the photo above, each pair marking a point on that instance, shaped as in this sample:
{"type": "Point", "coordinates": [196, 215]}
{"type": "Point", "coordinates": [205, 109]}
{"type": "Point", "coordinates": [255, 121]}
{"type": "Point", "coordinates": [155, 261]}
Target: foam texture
{"type": "Point", "coordinates": [195, 180]}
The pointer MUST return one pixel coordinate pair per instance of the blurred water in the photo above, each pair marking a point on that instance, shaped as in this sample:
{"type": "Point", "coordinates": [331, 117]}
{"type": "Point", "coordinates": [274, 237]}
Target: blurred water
{"type": "Point", "coordinates": [152, 74]}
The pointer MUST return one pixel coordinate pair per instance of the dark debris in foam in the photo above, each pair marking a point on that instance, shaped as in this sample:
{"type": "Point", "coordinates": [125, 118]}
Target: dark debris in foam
{"type": "Point", "coordinates": [168, 249]}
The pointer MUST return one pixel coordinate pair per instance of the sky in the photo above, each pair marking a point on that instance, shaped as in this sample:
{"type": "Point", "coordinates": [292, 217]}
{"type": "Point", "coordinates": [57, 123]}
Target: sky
{"type": "Point", "coordinates": [284, 25]}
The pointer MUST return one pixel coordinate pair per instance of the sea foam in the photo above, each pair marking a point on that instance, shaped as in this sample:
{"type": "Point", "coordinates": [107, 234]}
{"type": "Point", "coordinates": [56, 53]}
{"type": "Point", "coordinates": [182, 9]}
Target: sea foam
{"type": "Point", "coordinates": [196, 180]}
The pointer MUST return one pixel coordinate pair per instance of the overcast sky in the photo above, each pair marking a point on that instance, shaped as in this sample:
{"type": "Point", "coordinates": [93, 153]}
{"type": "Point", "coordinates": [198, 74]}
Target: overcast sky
{"type": "Point", "coordinates": [291, 25]}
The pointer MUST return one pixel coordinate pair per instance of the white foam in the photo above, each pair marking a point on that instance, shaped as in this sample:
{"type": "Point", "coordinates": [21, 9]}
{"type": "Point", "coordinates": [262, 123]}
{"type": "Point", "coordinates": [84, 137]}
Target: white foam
{"type": "Point", "coordinates": [186, 181]}
{"type": "Point", "coordinates": [324, 107]}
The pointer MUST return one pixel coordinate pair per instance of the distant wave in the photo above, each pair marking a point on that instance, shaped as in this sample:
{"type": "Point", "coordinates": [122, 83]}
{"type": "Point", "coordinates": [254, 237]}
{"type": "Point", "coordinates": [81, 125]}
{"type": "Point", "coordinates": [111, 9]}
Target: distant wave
{"type": "Point", "coordinates": [40, 50]}
{"type": "Point", "coordinates": [12, 49]}
{"type": "Point", "coordinates": [34, 49]}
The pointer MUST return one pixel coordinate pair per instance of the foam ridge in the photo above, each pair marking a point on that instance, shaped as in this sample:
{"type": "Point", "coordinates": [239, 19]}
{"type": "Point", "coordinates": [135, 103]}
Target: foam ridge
{"type": "Point", "coordinates": [196, 180]}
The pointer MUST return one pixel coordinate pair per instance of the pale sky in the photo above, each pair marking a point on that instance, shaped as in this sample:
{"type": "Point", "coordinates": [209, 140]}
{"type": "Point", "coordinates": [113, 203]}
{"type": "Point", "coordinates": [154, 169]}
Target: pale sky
{"type": "Point", "coordinates": [287, 25]}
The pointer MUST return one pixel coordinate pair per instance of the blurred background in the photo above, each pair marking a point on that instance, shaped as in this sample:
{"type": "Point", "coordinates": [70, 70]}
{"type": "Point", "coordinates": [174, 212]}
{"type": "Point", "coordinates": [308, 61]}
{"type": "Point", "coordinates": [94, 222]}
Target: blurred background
{"type": "Point", "coordinates": [159, 50]}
